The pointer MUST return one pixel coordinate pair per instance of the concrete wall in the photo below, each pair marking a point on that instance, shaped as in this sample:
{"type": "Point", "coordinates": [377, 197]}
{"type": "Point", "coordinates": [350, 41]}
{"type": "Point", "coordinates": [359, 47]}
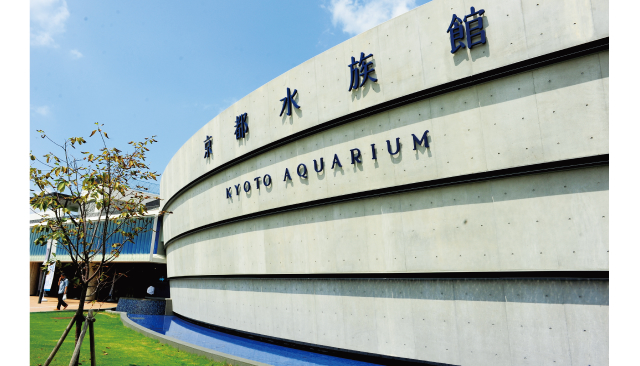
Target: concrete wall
{"type": "Point", "coordinates": [553, 113]}
{"type": "Point", "coordinates": [461, 322]}
{"type": "Point", "coordinates": [554, 221]}
{"type": "Point", "coordinates": [411, 52]}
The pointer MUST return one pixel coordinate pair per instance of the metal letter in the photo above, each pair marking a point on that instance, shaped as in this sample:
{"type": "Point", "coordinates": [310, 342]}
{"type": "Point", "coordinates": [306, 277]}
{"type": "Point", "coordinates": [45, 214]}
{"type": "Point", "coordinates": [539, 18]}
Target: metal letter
{"type": "Point", "coordinates": [373, 150]}
{"type": "Point", "coordinates": [456, 33]}
{"type": "Point", "coordinates": [257, 179]}
{"type": "Point", "coordinates": [264, 180]}
{"type": "Point", "coordinates": [355, 77]}
{"type": "Point", "coordinates": [397, 146]}
{"type": "Point", "coordinates": [286, 174]}
{"type": "Point", "coordinates": [356, 159]}
{"type": "Point", "coordinates": [242, 126]}
{"type": "Point", "coordinates": [315, 165]}
{"type": "Point", "coordinates": [475, 31]}
{"type": "Point", "coordinates": [237, 190]}
{"type": "Point", "coordinates": [229, 192]}
{"type": "Point", "coordinates": [245, 186]}
{"type": "Point", "coordinates": [364, 69]}
{"type": "Point", "coordinates": [207, 147]}
{"type": "Point", "coordinates": [304, 174]}
{"type": "Point", "coordinates": [336, 161]}
{"type": "Point", "coordinates": [419, 142]}
{"type": "Point", "coordinates": [288, 101]}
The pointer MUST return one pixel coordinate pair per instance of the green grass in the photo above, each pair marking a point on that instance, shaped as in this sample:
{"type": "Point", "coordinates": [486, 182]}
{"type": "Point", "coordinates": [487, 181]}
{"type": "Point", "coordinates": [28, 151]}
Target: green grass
{"type": "Point", "coordinates": [115, 344]}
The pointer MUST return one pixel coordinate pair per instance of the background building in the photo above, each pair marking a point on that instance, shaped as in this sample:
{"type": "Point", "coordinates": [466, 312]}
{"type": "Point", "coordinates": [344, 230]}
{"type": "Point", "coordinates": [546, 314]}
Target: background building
{"type": "Point", "coordinates": [488, 247]}
{"type": "Point", "coordinates": [140, 264]}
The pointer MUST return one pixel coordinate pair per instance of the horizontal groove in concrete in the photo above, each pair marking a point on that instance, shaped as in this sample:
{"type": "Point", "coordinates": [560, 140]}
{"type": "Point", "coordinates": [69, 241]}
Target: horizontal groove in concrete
{"type": "Point", "coordinates": [500, 72]}
{"type": "Point", "coordinates": [553, 166]}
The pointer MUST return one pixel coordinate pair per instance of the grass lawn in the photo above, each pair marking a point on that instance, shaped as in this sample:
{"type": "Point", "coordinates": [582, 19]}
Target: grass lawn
{"type": "Point", "coordinates": [115, 344]}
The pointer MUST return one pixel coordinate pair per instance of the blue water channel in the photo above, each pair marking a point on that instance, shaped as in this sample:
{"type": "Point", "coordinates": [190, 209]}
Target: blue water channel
{"type": "Point", "coordinates": [237, 346]}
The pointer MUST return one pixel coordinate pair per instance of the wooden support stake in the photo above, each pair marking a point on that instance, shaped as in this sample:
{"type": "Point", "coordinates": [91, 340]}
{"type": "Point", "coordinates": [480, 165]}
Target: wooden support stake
{"type": "Point", "coordinates": [57, 347]}
{"type": "Point", "coordinates": [92, 345]}
{"type": "Point", "coordinates": [76, 352]}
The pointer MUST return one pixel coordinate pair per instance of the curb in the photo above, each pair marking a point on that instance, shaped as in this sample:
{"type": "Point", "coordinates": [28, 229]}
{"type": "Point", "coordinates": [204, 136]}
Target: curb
{"type": "Point", "coordinates": [71, 311]}
{"type": "Point", "coordinates": [185, 346]}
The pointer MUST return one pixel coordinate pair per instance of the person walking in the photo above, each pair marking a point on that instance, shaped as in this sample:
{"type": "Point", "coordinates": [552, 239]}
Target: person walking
{"type": "Point", "coordinates": [63, 283]}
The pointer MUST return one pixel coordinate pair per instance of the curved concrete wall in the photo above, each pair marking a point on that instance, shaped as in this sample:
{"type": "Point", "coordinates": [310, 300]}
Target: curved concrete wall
{"type": "Point", "coordinates": [411, 52]}
{"type": "Point", "coordinates": [553, 113]}
{"type": "Point", "coordinates": [556, 222]}
{"type": "Point", "coordinates": [326, 259]}
{"type": "Point", "coordinates": [460, 322]}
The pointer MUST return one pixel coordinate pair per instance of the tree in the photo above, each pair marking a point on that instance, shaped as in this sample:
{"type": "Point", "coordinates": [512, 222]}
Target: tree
{"type": "Point", "coordinates": [85, 199]}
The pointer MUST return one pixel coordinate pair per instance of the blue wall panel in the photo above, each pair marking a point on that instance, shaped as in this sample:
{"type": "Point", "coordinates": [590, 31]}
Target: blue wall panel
{"type": "Point", "coordinates": [141, 243]}
{"type": "Point", "coordinates": [33, 248]}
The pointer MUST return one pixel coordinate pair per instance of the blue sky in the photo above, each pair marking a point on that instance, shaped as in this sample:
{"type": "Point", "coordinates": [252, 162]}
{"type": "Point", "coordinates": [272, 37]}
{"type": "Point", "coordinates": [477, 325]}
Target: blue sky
{"type": "Point", "coordinates": [166, 68]}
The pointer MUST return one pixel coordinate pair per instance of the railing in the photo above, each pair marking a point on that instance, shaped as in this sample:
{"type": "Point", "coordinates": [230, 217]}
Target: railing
{"type": "Point", "coordinates": [151, 187]}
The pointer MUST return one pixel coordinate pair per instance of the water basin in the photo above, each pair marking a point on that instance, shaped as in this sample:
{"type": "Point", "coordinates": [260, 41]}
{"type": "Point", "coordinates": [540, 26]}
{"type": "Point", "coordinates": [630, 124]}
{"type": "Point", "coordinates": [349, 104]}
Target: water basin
{"type": "Point", "coordinates": [237, 346]}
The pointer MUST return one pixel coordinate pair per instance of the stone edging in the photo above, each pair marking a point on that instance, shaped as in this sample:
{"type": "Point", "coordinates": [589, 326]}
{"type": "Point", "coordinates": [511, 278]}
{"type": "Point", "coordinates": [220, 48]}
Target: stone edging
{"type": "Point", "coordinates": [73, 311]}
{"type": "Point", "coordinates": [185, 346]}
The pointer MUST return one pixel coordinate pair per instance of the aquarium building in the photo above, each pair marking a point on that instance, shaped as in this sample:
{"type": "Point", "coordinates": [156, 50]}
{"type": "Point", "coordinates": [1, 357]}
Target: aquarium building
{"type": "Point", "coordinates": [434, 190]}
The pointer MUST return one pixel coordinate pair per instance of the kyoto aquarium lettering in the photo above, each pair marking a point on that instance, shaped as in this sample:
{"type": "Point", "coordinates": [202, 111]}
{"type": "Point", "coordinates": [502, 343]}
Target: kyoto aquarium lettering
{"type": "Point", "coordinates": [242, 126]}
{"type": "Point", "coordinates": [207, 147]}
{"type": "Point", "coordinates": [288, 101]}
{"type": "Point", "coordinates": [355, 157]}
{"type": "Point", "coordinates": [361, 71]}
{"type": "Point", "coordinates": [266, 181]}
{"type": "Point", "coordinates": [474, 29]}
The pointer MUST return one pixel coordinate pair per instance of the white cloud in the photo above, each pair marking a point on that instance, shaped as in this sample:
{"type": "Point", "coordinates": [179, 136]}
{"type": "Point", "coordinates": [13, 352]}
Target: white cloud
{"type": "Point", "coordinates": [75, 54]}
{"type": "Point", "coordinates": [43, 111]}
{"type": "Point", "coordinates": [47, 20]}
{"type": "Point", "coordinates": [357, 16]}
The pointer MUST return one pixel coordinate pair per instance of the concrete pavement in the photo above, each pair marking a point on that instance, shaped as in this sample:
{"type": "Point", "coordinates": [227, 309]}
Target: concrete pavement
{"type": "Point", "coordinates": [52, 302]}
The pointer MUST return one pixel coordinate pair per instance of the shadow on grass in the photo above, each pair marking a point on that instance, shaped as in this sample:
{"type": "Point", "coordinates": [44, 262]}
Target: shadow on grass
{"type": "Point", "coordinates": [116, 345]}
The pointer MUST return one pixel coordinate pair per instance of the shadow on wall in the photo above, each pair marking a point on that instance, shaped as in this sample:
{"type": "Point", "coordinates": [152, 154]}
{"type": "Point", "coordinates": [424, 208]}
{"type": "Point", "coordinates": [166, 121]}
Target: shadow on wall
{"type": "Point", "coordinates": [499, 190]}
{"type": "Point", "coordinates": [483, 50]}
{"type": "Point", "coordinates": [577, 292]}
{"type": "Point", "coordinates": [565, 74]}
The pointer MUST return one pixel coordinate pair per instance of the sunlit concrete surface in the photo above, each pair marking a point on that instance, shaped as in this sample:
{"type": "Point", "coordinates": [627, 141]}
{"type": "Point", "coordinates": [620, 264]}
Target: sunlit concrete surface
{"type": "Point", "coordinates": [518, 262]}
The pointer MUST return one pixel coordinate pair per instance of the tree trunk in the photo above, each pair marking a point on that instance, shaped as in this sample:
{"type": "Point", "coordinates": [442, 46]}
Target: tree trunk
{"type": "Point", "coordinates": [93, 284]}
{"type": "Point", "coordinates": [79, 315]}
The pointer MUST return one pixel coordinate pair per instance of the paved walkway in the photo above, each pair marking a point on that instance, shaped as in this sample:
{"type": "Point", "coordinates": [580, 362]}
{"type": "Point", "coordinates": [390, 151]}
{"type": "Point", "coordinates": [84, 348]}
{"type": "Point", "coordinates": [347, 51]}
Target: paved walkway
{"type": "Point", "coordinates": [52, 302]}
